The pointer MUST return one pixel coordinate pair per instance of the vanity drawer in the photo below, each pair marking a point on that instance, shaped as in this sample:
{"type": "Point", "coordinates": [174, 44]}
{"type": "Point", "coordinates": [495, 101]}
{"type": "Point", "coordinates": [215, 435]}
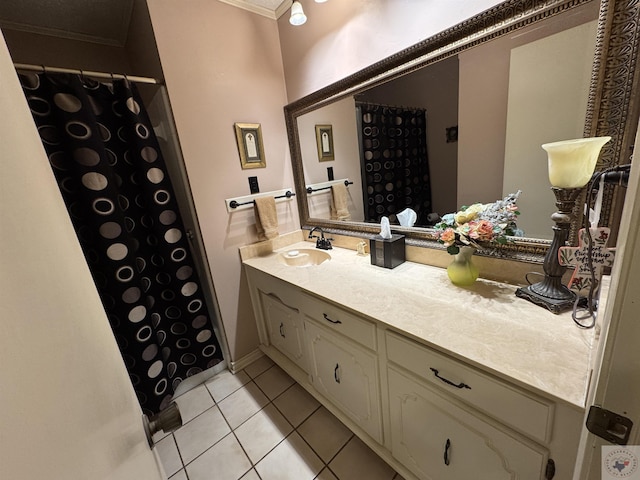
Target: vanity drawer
{"type": "Point", "coordinates": [341, 321]}
{"type": "Point", "coordinates": [265, 283]}
{"type": "Point", "coordinates": [526, 412]}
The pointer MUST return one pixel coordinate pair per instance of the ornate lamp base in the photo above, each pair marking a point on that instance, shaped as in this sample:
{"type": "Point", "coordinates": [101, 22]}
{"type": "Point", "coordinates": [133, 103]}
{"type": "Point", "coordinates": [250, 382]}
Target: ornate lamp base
{"type": "Point", "coordinates": [554, 305]}
{"type": "Point", "coordinates": [550, 292]}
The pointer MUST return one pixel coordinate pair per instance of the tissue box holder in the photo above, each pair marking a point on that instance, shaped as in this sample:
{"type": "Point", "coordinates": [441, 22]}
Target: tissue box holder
{"type": "Point", "coordinates": [387, 253]}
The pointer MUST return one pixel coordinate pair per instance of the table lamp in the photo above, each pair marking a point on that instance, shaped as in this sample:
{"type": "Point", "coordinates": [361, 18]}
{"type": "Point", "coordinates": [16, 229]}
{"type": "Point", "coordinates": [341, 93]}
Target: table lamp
{"type": "Point", "coordinates": [571, 166]}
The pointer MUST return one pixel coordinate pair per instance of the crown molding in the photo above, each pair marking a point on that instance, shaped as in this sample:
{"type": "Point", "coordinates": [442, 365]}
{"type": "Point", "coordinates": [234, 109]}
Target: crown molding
{"type": "Point", "coordinates": [265, 12]}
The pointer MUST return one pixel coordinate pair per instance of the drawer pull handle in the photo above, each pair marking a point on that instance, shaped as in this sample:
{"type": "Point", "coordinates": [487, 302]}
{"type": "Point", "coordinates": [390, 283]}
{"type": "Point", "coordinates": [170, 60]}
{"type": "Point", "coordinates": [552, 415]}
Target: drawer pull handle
{"type": "Point", "coordinates": [326, 317]}
{"type": "Point", "coordinates": [446, 452]}
{"type": "Point", "coordinates": [336, 376]}
{"type": "Point", "coordinates": [449, 382]}
{"type": "Point", "coordinates": [282, 330]}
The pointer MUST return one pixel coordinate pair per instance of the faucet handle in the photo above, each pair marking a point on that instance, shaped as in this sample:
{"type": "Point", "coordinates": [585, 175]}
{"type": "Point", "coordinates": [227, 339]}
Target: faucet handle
{"type": "Point", "coordinates": [324, 243]}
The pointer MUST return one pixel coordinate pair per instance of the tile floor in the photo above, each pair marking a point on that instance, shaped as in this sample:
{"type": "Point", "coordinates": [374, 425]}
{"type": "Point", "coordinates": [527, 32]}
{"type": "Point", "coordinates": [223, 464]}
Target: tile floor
{"type": "Point", "coordinates": [261, 425]}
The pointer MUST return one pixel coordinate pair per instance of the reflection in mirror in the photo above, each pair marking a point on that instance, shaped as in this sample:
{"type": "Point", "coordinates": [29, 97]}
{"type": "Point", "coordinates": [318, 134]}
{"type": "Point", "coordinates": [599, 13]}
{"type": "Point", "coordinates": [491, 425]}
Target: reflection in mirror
{"type": "Point", "coordinates": [500, 128]}
{"type": "Point", "coordinates": [504, 98]}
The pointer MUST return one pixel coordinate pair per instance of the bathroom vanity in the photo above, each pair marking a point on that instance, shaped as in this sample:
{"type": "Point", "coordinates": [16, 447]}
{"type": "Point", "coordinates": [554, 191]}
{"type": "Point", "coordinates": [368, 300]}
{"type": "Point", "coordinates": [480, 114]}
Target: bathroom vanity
{"type": "Point", "coordinates": [440, 381]}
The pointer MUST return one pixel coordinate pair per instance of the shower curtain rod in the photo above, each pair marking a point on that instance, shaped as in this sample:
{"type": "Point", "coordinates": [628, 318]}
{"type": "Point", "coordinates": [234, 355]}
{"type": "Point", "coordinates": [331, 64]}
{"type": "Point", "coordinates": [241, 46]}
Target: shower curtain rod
{"type": "Point", "coordinates": [86, 73]}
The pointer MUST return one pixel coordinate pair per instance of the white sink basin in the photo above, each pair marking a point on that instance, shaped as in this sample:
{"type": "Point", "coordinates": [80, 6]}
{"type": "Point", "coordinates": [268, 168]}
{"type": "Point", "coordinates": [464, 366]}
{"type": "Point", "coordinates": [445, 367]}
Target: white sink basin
{"type": "Point", "coordinates": [304, 257]}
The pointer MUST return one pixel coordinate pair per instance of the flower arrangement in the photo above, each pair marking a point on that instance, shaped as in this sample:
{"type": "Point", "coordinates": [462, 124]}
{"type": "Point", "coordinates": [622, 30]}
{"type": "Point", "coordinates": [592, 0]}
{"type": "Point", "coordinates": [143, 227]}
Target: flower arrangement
{"type": "Point", "coordinates": [490, 222]}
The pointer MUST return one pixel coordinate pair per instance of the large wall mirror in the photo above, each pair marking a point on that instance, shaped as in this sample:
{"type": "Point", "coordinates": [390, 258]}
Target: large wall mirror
{"type": "Point", "coordinates": [486, 94]}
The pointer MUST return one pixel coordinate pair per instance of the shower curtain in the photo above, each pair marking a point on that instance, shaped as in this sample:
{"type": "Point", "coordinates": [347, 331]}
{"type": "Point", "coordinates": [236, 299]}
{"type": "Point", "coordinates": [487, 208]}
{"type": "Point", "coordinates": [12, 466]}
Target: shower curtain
{"type": "Point", "coordinates": [393, 146]}
{"type": "Point", "coordinates": [112, 176]}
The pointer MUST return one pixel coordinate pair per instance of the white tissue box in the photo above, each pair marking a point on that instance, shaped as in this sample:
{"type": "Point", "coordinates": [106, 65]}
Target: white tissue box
{"type": "Point", "coordinates": [387, 252]}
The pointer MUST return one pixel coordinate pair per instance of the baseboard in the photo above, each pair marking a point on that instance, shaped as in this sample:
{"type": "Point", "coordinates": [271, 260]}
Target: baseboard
{"type": "Point", "coordinates": [245, 361]}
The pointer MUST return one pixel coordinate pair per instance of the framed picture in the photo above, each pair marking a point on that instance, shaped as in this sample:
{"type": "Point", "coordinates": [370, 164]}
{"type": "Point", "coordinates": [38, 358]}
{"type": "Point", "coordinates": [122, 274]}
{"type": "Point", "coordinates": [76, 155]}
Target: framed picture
{"type": "Point", "coordinates": [250, 147]}
{"type": "Point", "coordinates": [324, 139]}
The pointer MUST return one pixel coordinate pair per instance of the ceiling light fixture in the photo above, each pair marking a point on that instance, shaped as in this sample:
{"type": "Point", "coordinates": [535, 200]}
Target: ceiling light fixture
{"type": "Point", "coordinates": [297, 14]}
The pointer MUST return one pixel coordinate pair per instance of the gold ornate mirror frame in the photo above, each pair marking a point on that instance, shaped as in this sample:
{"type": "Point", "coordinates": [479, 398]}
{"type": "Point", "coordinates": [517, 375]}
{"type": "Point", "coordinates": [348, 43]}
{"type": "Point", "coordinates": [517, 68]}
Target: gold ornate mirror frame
{"type": "Point", "coordinates": [612, 109]}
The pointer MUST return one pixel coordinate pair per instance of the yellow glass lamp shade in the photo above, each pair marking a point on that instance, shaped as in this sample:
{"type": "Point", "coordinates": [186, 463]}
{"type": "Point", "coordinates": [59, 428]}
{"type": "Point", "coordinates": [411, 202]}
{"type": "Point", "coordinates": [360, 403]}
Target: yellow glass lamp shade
{"type": "Point", "coordinates": [572, 162]}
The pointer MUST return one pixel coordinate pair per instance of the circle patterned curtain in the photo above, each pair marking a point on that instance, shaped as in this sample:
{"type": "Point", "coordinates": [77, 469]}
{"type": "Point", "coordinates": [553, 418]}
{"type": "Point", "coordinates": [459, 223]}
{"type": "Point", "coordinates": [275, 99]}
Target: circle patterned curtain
{"type": "Point", "coordinates": [395, 162]}
{"type": "Point", "coordinates": [113, 179]}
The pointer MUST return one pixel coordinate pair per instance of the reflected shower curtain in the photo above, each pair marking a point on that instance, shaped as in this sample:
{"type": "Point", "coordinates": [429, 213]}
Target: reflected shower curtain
{"type": "Point", "coordinates": [393, 145]}
{"type": "Point", "coordinates": [113, 179]}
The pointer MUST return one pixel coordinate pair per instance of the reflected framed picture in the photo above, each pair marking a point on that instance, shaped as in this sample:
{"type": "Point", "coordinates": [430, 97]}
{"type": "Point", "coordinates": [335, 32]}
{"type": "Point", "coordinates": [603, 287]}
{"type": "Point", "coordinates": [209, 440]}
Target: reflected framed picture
{"type": "Point", "coordinates": [324, 139]}
{"type": "Point", "coordinates": [250, 147]}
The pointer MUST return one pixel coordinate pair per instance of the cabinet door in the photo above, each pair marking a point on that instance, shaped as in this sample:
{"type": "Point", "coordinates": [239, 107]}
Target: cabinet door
{"type": "Point", "coordinates": [284, 328]}
{"type": "Point", "coordinates": [347, 375]}
{"type": "Point", "coordinates": [437, 439]}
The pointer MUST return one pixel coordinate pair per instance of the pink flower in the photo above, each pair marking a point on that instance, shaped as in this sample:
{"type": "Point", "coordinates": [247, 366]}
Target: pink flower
{"type": "Point", "coordinates": [448, 236]}
{"type": "Point", "coordinates": [481, 230]}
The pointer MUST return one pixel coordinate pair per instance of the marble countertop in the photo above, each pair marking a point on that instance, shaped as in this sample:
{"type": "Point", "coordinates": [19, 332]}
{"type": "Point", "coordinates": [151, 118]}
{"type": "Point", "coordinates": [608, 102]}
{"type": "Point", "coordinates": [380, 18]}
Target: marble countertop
{"type": "Point", "coordinates": [485, 325]}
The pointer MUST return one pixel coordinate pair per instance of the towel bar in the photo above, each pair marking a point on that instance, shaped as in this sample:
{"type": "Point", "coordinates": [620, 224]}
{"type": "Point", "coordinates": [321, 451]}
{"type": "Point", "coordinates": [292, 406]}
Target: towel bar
{"type": "Point", "coordinates": [240, 203]}
{"type": "Point", "coordinates": [234, 204]}
{"type": "Point", "coordinates": [310, 188]}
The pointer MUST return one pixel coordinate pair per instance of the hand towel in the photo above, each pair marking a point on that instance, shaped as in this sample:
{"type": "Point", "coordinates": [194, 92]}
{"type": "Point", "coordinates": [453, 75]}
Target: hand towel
{"type": "Point", "coordinates": [266, 217]}
{"type": "Point", "coordinates": [339, 201]}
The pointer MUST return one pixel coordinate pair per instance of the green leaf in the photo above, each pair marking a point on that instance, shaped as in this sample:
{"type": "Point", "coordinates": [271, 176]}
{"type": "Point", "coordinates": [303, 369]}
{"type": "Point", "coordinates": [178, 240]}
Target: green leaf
{"type": "Point", "coordinates": [453, 249]}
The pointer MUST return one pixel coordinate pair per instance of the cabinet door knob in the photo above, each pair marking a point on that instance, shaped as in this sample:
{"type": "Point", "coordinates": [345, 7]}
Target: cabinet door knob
{"type": "Point", "coordinates": [326, 317]}
{"type": "Point", "coordinates": [446, 452]}
{"type": "Point", "coordinates": [336, 375]}
{"type": "Point", "coordinates": [282, 330]}
{"type": "Point", "coordinates": [449, 382]}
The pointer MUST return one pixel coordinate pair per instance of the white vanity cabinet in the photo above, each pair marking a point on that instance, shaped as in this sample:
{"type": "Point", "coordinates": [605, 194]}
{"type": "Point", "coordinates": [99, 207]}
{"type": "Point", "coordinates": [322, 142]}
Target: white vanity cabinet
{"type": "Point", "coordinates": [436, 438]}
{"type": "Point", "coordinates": [451, 421]}
{"type": "Point", "coordinates": [341, 368]}
{"type": "Point", "coordinates": [418, 385]}
{"type": "Point", "coordinates": [281, 325]}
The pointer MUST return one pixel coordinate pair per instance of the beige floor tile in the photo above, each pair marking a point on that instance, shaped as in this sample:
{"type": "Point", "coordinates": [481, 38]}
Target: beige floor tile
{"type": "Point", "coordinates": [251, 475]}
{"type": "Point", "coordinates": [356, 460]}
{"type": "Point", "coordinates": [225, 383]}
{"type": "Point", "coordinates": [262, 432]}
{"type": "Point", "coordinates": [273, 382]}
{"type": "Point", "coordinates": [296, 404]}
{"type": "Point", "coordinates": [181, 475]}
{"type": "Point", "coordinates": [242, 404]}
{"type": "Point", "coordinates": [292, 459]}
{"type": "Point", "coordinates": [259, 366]}
{"type": "Point", "coordinates": [200, 433]}
{"type": "Point", "coordinates": [194, 402]}
{"type": "Point", "coordinates": [325, 433]}
{"type": "Point", "coordinates": [224, 461]}
{"type": "Point", "coordinates": [326, 474]}
{"type": "Point", "coordinates": [169, 456]}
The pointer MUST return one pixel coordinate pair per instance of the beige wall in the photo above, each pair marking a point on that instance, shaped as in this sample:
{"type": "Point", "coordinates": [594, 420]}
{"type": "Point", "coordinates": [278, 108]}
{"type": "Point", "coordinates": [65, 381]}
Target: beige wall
{"type": "Point", "coordinates": [485, 100]}
{"type": "Point", "coordinates": [68, 410]}
{"type": "Point", "coordinates": [342, 37]}
{"type": "Point", "coordinates": [223, 65]}
{"type": "Point", "coordinates": [548, 90]}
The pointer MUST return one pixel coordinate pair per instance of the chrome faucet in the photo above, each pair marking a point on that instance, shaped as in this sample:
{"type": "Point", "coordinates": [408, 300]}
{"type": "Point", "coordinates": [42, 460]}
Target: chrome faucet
{"type": "Point", "coordinates": [321, 242]}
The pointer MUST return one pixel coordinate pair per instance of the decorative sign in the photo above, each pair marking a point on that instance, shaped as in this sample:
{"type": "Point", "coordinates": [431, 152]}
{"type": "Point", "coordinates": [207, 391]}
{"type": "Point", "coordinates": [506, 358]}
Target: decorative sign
{"type": "Point", "coordinates": [324, 139]}
{"type": "Point", "coordinates": [578, 257]}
